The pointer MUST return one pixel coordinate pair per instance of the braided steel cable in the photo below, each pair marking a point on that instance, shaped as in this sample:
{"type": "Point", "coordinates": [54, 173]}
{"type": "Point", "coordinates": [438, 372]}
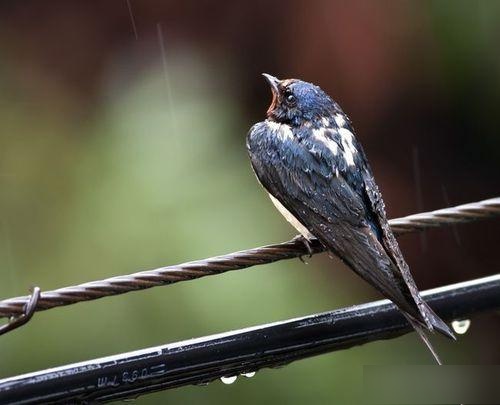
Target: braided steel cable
{"type": "Point", "coordinates": [234, 261]}
{"type": "Point", "coordinates": [447, 216]}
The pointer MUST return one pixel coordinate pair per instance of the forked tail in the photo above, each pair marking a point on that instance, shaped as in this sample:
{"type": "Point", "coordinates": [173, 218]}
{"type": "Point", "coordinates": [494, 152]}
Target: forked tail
{"type": "Point", "coordinates": [421, 333]}
{"type": "Point", "coordinates": [432, 323]}
{"type": "Point", "coordinates": [437, 323]}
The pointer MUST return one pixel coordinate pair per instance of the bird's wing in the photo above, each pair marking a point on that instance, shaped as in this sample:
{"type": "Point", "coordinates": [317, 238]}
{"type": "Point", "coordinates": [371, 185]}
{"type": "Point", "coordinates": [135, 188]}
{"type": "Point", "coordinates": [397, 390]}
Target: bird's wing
{"type": "Point", "coordinates": [387, 239]}
{"type": "Point", "coordinates": [330, 198]}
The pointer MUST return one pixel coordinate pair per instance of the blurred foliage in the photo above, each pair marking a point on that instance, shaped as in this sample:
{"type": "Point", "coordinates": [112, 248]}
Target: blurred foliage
{"type": "Point", "coordinates": [152, 170]}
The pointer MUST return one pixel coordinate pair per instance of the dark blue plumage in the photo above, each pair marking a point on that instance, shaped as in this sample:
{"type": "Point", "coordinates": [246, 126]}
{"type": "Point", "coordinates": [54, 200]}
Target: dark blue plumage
{"type": "Point", "coordinates": [306, 156]}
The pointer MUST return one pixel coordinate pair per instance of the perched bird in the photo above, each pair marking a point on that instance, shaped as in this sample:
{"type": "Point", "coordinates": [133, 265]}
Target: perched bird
{"type": "Point", "coordinates": [306, 156]}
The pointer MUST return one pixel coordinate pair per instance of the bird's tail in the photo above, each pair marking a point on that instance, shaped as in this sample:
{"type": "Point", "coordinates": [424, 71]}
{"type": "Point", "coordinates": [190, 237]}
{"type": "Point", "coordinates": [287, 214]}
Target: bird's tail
{"type": "Point", "coordinates": [421, 333]}
{"type": "Point", "coordinates": [434, 322]}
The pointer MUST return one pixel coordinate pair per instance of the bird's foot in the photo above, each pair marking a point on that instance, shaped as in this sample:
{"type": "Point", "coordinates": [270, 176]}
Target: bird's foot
{"type": "Point", "coordinates": [307, 244]}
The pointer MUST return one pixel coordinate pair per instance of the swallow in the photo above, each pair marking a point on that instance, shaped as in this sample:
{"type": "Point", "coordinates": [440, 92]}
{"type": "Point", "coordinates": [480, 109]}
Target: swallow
{"type": "Point", "coordinates": [306, 156]}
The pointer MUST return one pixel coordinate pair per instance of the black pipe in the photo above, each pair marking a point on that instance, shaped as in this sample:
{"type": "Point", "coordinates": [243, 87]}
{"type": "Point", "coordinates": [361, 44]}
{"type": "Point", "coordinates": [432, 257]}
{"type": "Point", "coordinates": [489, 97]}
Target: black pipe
{"type": "Point", "coordinates": [199, 361]}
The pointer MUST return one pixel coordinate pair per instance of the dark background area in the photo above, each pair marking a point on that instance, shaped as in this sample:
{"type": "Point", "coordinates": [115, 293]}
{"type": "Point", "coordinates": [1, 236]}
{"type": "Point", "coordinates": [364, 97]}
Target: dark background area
{"type": "Point", "coordinates": [122, 147]}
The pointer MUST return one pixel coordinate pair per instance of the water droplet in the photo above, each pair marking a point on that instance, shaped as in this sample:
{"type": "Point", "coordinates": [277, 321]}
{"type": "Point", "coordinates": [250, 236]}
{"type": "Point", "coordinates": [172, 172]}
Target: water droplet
{"type": "Point", "coordinates": [461, 326]}
{"type": "Point", "coordinates": [229, 380]}
{"type": "Point", "coordinates": [303, 260]}
{"type": "Point", "coordinates": [249, 375]}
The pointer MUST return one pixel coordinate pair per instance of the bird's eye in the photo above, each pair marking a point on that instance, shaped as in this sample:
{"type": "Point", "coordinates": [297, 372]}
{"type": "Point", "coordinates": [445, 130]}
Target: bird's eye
{"type": "Point", "coordinates": [290, 99]}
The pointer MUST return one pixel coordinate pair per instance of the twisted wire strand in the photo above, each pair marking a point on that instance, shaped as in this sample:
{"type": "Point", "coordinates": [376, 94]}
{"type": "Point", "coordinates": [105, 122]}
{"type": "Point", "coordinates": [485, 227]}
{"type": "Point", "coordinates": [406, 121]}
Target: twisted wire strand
{"type": "Point", "coordinates": [447, 216]}
{"type": "Point", "coordinates": [235, 261]}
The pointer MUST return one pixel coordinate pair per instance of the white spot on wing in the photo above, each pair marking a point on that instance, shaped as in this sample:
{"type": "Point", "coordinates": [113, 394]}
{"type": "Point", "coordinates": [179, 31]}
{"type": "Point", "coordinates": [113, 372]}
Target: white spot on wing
{"type": "Point", "coordinates": [349, 149]}
{"type": "Point", "coordinates": [325, 122]}
{"type": "Point", "coordinates": [283, 131]}
{"type": "Point", "coordinates": [340, 120]}
{"type": "Point", "coordinates": [273, 125]}
{"type": "Point", "coordinates": [291, 219]}
{"type": "Point", "coordinates": [346, 135]}
{"type": "Point", "coordinates": [320, 135]}
{"type": "Point", "coordinates": [286, 132]}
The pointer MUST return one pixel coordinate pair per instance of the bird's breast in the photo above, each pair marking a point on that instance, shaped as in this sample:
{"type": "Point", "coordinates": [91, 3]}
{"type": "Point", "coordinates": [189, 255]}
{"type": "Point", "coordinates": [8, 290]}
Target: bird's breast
{"type": "Point", "coordinates": [291, 219]}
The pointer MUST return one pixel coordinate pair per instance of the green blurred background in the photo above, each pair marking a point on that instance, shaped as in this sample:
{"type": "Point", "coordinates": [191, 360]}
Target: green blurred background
{"type": "Point", "coordinates": [117, 157]}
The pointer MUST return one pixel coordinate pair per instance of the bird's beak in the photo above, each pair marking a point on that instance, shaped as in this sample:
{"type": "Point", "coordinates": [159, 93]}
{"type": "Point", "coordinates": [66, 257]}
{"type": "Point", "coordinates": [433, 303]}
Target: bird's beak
{"type": "Point", "coordinates": [273, 82]}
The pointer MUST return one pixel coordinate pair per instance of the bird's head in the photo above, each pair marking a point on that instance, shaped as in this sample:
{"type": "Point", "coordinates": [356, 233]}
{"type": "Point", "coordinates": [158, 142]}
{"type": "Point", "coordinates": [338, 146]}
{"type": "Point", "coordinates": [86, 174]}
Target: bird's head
{"type": "Point", "coordinates": [296, 102]}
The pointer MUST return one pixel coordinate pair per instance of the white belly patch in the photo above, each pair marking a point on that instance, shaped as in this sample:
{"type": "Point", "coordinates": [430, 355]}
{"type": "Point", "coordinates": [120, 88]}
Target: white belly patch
{"type": "Point", "coordinates": [291, 219]}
